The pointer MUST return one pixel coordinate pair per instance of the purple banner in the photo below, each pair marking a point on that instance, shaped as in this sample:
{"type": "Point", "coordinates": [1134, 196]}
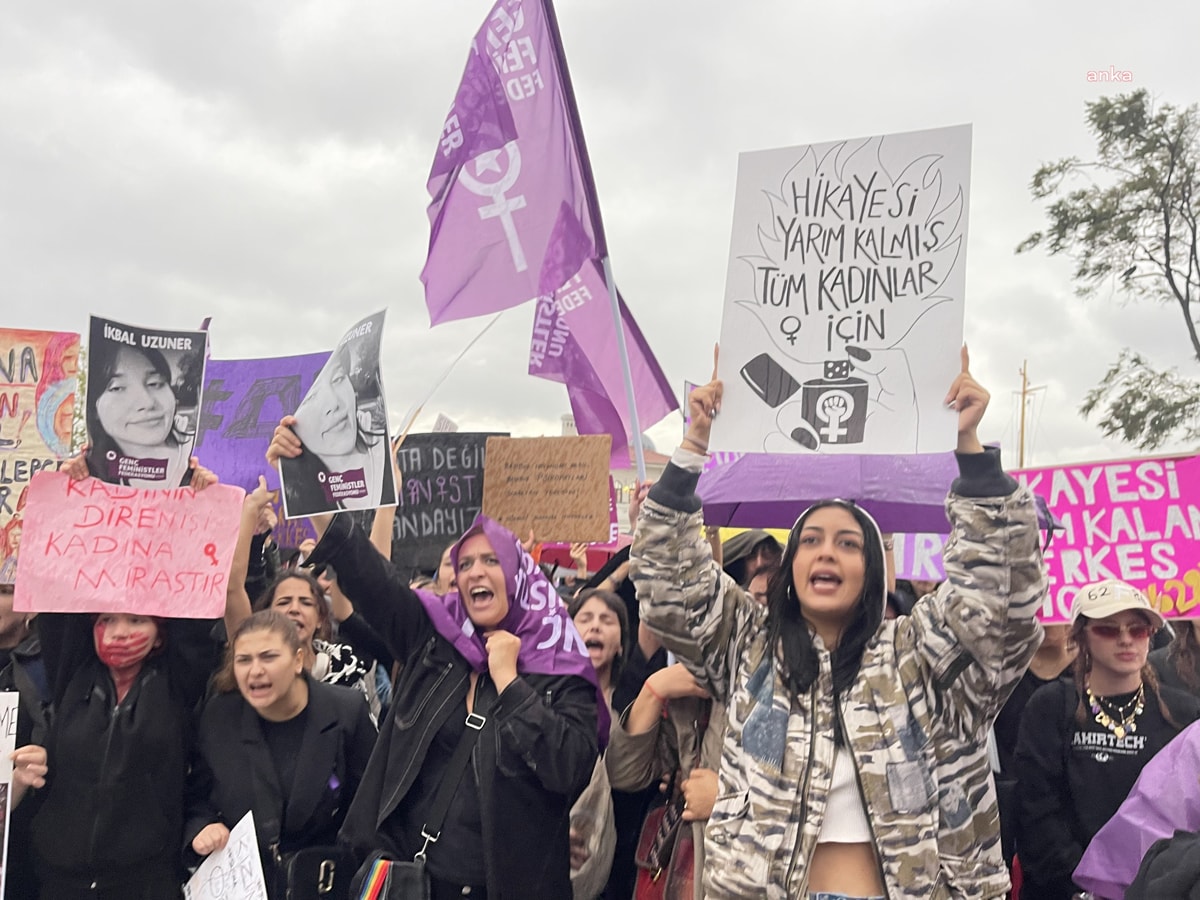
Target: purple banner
{"type": "Point", "coordinates": [244, 399]}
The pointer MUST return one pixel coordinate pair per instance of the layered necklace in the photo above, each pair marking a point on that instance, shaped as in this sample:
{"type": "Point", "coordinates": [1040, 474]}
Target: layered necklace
{"type": "Point", "coordinates": [1120, 720]}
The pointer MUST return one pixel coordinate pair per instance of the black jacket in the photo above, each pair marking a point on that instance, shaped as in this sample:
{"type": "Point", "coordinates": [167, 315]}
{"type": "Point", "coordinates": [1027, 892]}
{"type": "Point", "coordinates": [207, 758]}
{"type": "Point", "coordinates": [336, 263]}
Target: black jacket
{"type": "Point", "coordinates": [532, 758]}
{"type": "Point", "coordinates": [233, 772]}
{"type": "Point", "coordinates": [1056, 797]}
{"type": "Point", "coordinates": [112, 808]}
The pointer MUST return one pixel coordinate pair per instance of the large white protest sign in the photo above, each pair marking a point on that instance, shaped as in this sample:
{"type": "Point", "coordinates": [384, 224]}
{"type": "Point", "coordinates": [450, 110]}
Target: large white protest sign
{"type": "Point", "coordinates": [843, 306]}
{"type": "Point", "coordinates": [234, 873]}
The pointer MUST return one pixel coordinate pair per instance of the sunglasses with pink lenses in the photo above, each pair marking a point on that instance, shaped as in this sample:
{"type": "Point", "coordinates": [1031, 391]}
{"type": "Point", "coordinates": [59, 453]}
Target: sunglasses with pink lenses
{"type": "Point", "coordinates": [1112, 632]}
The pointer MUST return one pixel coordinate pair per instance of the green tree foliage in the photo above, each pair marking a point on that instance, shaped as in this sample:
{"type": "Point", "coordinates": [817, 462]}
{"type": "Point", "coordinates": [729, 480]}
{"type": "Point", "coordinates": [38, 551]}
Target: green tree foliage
{"type": "Point", "coordinates": [1128, 219]}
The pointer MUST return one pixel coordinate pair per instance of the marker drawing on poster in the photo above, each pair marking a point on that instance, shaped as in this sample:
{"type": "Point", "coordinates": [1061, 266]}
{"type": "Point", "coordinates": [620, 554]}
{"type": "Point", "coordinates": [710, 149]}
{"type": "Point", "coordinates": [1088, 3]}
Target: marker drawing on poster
{"type": "Point", "coordinates": [342, 424]}
{"type": "Point", "coordinates": [232, 873]}
{"type": "Point", "coordinates": [39, 372]}
{"type": "Point", "coordinates": [843, 306]}
{"type": "Point", "coordinates": [143, 400]}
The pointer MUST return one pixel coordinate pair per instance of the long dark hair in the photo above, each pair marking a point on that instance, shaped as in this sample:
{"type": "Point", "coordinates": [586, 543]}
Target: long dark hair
{"type": "Point", "coordinates": [617, 605]}
{"type": "Point", "coordinates": [103, 367]}
{"type": "Point", "coordinates": [1184, 656]}
{"type": "Point", "coordinates": [787, 631]}
{"type": "Point", "coordinates": [324, 630]}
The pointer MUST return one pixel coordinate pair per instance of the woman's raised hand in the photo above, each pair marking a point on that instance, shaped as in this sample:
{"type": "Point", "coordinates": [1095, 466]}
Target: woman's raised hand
{"type": "Point", "coordinates": [76, 467]}
{"type": "Point", "coordinates": [673, 682]}
{"type": "Point", "coordinates": [201, 477]}
{"type": "Point", "coordinates": [970, 399]}
{"type": "Point", "coordinates": [703, 406]}
{"type": "Point", "coordinates": [284, 442]}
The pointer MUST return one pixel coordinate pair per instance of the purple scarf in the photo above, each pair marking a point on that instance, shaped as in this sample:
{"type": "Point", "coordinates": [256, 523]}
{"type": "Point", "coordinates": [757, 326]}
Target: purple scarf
{"type": "Point", "coordinates": [550, 644]}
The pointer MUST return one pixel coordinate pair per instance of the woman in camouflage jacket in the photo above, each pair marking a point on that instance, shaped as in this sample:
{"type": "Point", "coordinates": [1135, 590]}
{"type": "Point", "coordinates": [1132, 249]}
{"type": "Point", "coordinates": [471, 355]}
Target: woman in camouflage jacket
{"type": "Point", "coordinates": [819, 669]}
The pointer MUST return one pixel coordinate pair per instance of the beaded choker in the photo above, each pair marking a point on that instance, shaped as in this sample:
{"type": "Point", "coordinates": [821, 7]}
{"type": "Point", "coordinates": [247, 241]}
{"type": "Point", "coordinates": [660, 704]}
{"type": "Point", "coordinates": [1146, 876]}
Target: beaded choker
{"type": "Point", "coordinates": [1120, 720]}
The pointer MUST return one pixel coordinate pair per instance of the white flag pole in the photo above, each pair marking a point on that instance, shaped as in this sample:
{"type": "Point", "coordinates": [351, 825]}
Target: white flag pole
{"type": "Point", "coordinates": [630, 400]}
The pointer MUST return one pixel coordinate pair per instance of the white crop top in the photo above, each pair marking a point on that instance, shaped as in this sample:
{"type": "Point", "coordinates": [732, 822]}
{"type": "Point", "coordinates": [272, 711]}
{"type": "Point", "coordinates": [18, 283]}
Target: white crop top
{"type": "Point", "coordinates": [845, 819]}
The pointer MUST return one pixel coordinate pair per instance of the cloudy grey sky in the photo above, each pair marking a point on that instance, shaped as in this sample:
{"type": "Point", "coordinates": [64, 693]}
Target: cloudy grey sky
{"type": "Point", "coordinates": [265, 163]}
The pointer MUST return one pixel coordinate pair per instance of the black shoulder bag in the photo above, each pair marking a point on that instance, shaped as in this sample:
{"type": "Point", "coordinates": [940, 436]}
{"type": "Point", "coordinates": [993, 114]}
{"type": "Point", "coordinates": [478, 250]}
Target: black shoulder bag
{"type": "Point", "coordinates": [381, 878]}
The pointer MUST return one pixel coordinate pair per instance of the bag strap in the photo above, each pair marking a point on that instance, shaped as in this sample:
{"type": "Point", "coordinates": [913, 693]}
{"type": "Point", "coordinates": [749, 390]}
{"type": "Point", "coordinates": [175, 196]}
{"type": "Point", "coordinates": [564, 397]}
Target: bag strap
{"type": "Point", "coordinates": [452, 777]}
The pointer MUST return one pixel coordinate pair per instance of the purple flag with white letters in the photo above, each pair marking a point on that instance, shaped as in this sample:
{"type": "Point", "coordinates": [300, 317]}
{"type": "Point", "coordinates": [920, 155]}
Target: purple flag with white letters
{"type": "Point", "coordinates": [510, 157]}
{"type": "Point", "coordinates": [574, 343]}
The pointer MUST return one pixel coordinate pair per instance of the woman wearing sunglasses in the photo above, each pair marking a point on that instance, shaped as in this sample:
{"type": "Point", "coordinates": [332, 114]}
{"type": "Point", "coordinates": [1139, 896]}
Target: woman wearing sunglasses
{"type": "Point", "coordinates": [1082, 745]}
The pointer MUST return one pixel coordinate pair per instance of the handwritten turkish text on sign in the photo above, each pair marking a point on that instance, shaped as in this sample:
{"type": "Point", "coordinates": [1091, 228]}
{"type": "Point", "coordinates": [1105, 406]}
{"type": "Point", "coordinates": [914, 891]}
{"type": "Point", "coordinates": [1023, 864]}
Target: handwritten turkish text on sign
{"type": "Point", "coordinates": [97, 547]}
{"type": "Point", "coordinates": [441, 493]}
{"type": "Point", "coordinates": [557, 487]}
{"type": "Point", "coordinates": [233, 873]}
{"type": "Point", "coordinates": [844, 295]}
{"type": "Point", "coordinates": [1137, 521]}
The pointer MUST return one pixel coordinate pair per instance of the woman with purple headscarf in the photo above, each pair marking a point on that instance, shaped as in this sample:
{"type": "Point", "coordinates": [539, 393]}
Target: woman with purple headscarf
{"type": "Point", "coordinates": [500, 645]}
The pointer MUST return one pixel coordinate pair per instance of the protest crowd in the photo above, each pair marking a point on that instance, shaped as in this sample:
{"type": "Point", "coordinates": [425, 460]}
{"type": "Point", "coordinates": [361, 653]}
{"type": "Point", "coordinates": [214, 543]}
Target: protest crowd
{"type": "Point", "coordinates": [319, 657]}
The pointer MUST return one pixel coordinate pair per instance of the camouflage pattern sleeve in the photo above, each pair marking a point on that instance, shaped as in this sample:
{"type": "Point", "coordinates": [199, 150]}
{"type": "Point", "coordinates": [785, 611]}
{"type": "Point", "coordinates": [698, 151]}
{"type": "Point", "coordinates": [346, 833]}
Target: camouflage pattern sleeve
{"type": "Point", "coordinates": [975, 637]}
{"type": "Point", "coordinates": [684, 597]}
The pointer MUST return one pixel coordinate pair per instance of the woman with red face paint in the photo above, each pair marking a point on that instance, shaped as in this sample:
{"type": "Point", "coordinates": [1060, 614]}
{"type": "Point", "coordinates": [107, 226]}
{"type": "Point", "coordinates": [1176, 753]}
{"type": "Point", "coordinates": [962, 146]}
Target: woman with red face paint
{"type": "Point", "coordinates": [125, 687]}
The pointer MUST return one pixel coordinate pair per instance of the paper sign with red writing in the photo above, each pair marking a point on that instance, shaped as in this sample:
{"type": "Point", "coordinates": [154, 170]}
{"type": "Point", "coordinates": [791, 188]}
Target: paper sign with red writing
{"type": "Point", "coordinates": [1134, 520]}
{"type": "Point", "coordinates": [97, 547]}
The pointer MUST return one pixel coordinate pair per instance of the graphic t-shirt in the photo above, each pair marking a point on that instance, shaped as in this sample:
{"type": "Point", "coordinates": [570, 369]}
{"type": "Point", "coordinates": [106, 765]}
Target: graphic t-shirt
{"type": "Point", "coordinates": [1104, 767]}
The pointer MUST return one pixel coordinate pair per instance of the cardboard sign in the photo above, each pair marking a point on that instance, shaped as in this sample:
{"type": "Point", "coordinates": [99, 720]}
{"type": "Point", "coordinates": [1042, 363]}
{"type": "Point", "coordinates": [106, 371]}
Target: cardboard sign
{"type": "Point", "coordinates": [557, 487]}
{"type": "Point", "coordinates": [232, 873]}
{"type": "Point", "coordinates": [143, 401]}
{"type": "Point", "coordinates": [843, 313]}
{"type": "Point", "coordinates": [441, 493]}
{"type": "Point", "coordinates": [39, 372]}
{"type": "Point", "coordinates": [1134, 520]}
{"type": "Point", "coordinates": [97, 547]}
{"type": "Point", "coordinates": [343, 429]}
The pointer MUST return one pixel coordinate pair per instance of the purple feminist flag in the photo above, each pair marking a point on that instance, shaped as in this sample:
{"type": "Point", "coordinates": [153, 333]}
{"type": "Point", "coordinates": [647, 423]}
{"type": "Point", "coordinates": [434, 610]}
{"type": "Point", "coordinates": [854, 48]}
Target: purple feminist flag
{"type": "Point", "coordinates": [509, 157]}
{"type": "Point", "coordinates": [574, 342]}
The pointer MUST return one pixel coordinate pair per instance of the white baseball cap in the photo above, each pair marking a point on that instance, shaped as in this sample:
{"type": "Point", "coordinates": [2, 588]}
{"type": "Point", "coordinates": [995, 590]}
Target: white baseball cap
{"type": "Point", "coordinates": [1106, 598]}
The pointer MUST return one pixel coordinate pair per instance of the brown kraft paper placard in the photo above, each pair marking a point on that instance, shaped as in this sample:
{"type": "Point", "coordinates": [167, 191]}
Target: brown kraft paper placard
{"type": "Point", "coordinates": [557, 486]}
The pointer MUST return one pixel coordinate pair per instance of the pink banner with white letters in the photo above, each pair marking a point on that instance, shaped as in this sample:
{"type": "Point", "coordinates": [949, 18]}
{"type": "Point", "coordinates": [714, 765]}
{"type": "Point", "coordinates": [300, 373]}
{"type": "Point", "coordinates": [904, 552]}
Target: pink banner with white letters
{"type": "Point", "coordinates": [1136, 520]}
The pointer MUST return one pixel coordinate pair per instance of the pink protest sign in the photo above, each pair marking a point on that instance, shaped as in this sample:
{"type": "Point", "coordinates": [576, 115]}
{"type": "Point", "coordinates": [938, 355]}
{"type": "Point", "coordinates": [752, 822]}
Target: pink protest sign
{"type": "Point", "coordinates": [1136, 520]}
{"type": "Point", "coordinates": [96, 547]}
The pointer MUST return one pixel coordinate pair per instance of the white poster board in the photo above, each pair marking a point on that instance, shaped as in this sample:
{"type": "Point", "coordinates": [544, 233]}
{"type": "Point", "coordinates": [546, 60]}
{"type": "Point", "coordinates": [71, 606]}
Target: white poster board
{"type": "Point", "coordinates": [234, 873]}
{"type": "Point", "coordinates": [9, 701]}
{"type": "Point", "coordinates": [843, 312]}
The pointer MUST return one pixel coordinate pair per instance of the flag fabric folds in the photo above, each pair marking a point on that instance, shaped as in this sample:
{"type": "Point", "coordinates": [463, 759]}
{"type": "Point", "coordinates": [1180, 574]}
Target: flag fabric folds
{"type": "Point", "coordinates": [507, 161]}
{"type": "Point", "coordinates": [574, 342]}
{"type": "Point", "coordinates": [514, 217]}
